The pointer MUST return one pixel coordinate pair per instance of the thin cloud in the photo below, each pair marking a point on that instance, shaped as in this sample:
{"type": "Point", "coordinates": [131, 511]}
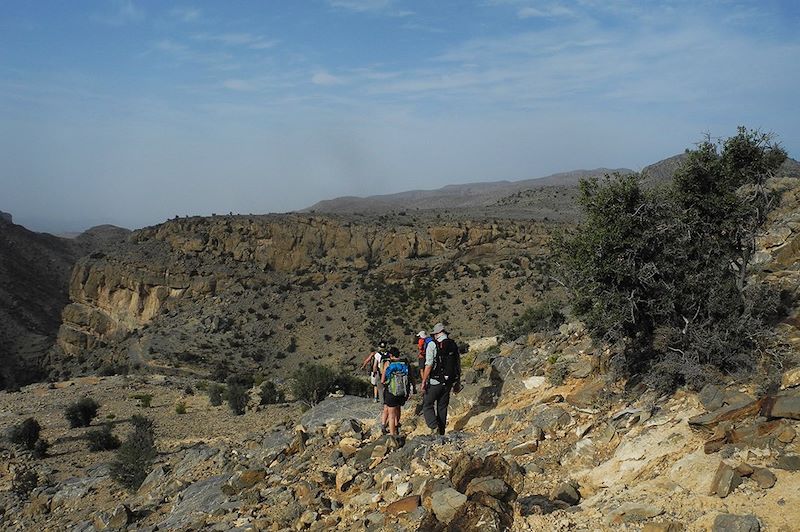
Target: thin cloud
{"type": "Point", "coordinates": [186, 54]}
{"type": "Point", "coordinates": [123, 12]}
{"type": "Point", "coordinates": [246, 40]}
{"type": "Point", "coordinates": [551, 11]}
{"type": "Point", "coordinates": [186, 14]}
{"type": "Point", "coordinates": [326, 79]}
{"type": "Point", "coordinates": [238, 85]}
{"type": "Point", "coordinates": [361, 6]}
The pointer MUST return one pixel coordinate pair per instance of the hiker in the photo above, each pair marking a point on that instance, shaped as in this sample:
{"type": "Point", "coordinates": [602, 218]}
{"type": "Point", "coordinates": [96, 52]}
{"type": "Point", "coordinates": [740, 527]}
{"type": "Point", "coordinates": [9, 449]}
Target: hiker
{"type": "Point", "coordinates": [377, 365]}
{"type": "Point", "coordinates": [369, 362]}
{"type": "Point", "coordinates": [396, 378]}
{"type": "Point", "coordinates": [373, 360]}
{"type": "Point", "coordinates": [442, 375]}
{"type": "Point", "coordinates": [422, 343]}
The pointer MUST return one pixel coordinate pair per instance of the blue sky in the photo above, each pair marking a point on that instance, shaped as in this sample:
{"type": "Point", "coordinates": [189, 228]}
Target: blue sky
{"type": "Point", "coordinates": [132, 111]}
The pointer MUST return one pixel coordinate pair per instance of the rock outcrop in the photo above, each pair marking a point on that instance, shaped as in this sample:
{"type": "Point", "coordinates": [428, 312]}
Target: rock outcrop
{"type": "Point", "coordinates": [251, 286]}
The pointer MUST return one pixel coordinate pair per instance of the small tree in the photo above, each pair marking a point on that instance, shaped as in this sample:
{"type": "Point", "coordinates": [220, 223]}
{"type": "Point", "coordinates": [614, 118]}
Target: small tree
{"type": "Point", "coordinates": [270, 394]}
{"type": "Point", "coordinates": [82, 412]}
{"type": "Point", "coordinates": [312, 383]}
{"type": "Point", "coordinates": [102, 439]}
{"type": "Point", "coordinates": [26, 434]}
{"type": "Point", "coordinates": [237, 398]}
{"type": "Point", "coordinates": [134, 458]}
{"type": "Point", "coordinates": [215, 393]}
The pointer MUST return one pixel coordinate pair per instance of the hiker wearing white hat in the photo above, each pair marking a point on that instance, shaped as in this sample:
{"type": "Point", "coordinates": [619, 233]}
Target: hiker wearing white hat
{"type": "Point", "coordinates": [441, 376]}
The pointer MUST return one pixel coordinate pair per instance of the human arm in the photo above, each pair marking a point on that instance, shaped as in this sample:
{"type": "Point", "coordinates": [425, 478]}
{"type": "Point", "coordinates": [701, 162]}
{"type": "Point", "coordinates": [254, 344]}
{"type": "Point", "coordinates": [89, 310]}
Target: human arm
{"type": "Point", "coordinates": [367, 360]}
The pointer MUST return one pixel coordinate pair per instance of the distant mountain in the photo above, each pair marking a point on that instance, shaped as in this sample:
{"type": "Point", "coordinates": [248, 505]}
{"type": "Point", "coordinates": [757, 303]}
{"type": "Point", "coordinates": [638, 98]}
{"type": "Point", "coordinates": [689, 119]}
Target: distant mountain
{"type": "Point", "coordinates": [471, 195]}
{"type": "Point", "coordinates": [35, 269]}
{"type": "Point", "coordinates": [550, 197]}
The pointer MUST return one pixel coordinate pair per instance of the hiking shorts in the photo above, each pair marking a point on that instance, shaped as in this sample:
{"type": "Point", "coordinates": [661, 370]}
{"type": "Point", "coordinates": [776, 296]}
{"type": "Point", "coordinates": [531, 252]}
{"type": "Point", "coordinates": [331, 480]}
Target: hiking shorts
{"type": "Point", "coordinates": [373, 378]}
{"type": "Point", "coordinates": [392, 400]}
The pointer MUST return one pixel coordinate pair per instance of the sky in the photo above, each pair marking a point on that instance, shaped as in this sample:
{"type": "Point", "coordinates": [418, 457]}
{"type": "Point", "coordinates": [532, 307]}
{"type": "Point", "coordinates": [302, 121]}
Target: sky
{"type": "Point", "coordinates": [130, 112]}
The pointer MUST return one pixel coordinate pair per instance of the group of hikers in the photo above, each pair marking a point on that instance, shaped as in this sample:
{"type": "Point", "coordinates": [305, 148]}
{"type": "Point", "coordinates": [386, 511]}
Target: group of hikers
{"type": "Point", "coordinates": [394, 381]}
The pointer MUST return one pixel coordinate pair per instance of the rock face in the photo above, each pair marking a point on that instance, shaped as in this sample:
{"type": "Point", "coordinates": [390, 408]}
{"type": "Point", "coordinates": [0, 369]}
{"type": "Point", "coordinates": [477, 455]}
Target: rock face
{"type": "Point", "coordinates": [34, 279]}
{"type": "Point", "coordinates": [256, 288]}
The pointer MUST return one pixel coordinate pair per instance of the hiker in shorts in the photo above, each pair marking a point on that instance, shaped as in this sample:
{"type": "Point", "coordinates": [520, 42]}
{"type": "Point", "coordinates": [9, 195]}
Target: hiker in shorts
{"type": "Point", "coordinates": [373, 360]}
{"type": "Point", "coordinates": [396, 378]}
{"type": "Point", "coordinates": [442, 375]}
{"type": "Point", "coordinates": [367, 364]}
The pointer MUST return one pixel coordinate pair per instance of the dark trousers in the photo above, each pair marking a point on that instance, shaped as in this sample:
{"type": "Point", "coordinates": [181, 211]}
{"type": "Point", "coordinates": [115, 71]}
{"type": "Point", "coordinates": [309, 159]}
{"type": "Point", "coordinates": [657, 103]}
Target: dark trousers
{"type": "Point", "coordinates": [434, 406]}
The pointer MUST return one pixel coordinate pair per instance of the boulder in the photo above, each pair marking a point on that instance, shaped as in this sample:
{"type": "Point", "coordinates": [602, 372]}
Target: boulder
{"type": "Point", "coordinates": [790, 378]}
{"type": "Point", "coordinates": [727, 413]}
{"type": "Point", "coordinates": [117, 519]}
{"type": "Point", "coordinates": [711, 397]}
{"type": "Point", "coordinates": [491, 486]}
{"type": "Point", "coordinates": [445, 503]}
{"type": "Point", "coordinates": [631, 512]}
{"type": "Point", "coordinates": [725, 480]}
{"type": "Point", "coordinates": [785, 406]}
{"type": "Point", "coordinates": [349, 446]}
{"type": "Point", "coordinates": [587, 394]}
{"type": "Point", "coordinates": [404, 505]}
{"type": "Point", "coordinates": [566, 492]}
{"type": "Point", "coordinates": [524, 448]}
{"type": "Point", "coordinates": [788, 462]}
{"type": "Point", "coordinates": [345, 476]}
{"type": "Point", "coordinates": [764, 477]}
{"type": "Point", "coordinates": [551, 418]}
{"type": "Point", "coordinates": [736, 523]}
{"type": "Point", "coordinates": [476, 516]}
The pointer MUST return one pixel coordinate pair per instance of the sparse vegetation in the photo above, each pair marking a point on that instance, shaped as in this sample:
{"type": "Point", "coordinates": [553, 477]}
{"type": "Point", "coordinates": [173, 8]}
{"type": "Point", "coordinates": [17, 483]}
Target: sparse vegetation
{"type": "Point", "coordinates": [102, 439]}
{"type": "Point", "coordinates": [82, 412]}
{"type": "Point", "coordinates": [270, 394]}
{"type": "Point", "coordinates": [312, 383]}
{"type": "Point", "coordinates": [135, 456]}
{"type": "Point", "coordinates": [144, 399]}
{"type": "Point", "coordinates": [180, 408]}
{"type": "Point", "coordinates": [543, 316]}
{"type": "Point", "coordinates": [215, 393]}
{"type": "Point", "coordinates": [26, 434]}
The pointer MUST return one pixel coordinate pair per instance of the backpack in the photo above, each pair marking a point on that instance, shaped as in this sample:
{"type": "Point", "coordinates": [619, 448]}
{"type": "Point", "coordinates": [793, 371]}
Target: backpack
{"type": "Point", "coordinates": [447, 362]}
{"type": "Point", "coordinates": [398, 382]}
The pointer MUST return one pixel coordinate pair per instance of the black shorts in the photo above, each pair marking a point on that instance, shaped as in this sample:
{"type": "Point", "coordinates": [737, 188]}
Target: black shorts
{"type": "Point", "coordinates": [392, 400]}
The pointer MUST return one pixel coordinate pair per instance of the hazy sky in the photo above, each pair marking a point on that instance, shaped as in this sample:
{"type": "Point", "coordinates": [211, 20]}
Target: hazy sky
{"type": "Point", "coordinates": [131, 111]}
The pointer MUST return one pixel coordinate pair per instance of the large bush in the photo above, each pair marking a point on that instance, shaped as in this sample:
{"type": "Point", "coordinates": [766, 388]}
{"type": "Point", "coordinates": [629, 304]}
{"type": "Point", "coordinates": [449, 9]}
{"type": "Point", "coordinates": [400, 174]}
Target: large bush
{"type": "Point", "coordinates": [134, 458]}
{"type": "Point", "coordinates": [26, 434]}
{"type": "Point", "coordinates": [82, 412]}
{"type": "Point", "coordinates": [312, 383]}
{"type": "Point", "coordinates": [663, 271]}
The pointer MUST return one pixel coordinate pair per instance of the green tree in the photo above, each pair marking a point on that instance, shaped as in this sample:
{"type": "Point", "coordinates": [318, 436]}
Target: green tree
{"type": "Point", "coordinates": [134, 458]}
{"type": "Point", "coordinates": [663, 271]}
{"type": "Point", "coordinates": [312, 383]}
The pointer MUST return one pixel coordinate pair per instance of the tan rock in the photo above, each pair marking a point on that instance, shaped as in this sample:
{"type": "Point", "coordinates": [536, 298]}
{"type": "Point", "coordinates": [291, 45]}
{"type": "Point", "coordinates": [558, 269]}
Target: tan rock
{"type": "Point", "coordinates": [404, 505]}
{"type": "Point", "coordinates": [790, 378]}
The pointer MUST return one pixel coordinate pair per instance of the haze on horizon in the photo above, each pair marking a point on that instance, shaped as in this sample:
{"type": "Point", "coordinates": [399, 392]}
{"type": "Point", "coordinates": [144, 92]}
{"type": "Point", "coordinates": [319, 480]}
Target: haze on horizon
{"type": "Point", "coordinates": [130, 112]}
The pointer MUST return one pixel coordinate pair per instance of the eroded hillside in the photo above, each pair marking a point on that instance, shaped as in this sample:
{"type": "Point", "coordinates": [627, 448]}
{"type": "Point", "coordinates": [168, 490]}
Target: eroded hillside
{"type": "Point", "coordinates": [269, 293]}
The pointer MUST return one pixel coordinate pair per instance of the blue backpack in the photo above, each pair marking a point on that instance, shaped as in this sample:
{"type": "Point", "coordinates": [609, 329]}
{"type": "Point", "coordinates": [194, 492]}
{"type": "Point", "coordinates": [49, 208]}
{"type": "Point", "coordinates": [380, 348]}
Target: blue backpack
{"type": "Point", "coordinates": [398, 382]}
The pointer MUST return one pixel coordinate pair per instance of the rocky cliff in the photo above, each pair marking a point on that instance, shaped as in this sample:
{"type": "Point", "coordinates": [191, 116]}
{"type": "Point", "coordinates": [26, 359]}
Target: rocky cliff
{"type": "Point", "coordinates": [34, 279]}
{"type": "Point", "coordinates": [271, 292]}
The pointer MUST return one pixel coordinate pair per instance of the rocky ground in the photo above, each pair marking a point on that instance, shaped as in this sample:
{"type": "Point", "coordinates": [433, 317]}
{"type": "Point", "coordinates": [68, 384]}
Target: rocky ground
{"type": "Point", "coordinates": [523, 452]}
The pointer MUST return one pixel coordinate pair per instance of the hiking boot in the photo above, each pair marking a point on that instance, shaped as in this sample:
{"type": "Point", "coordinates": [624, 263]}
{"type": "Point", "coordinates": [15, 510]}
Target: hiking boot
{"type": "Point", "coordinates": [384, 429]}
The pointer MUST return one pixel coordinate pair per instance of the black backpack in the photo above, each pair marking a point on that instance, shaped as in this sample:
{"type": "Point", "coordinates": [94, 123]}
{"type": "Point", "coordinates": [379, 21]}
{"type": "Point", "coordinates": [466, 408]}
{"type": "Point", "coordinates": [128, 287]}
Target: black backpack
{"type": "Point", "coordinates": [447, 363]}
